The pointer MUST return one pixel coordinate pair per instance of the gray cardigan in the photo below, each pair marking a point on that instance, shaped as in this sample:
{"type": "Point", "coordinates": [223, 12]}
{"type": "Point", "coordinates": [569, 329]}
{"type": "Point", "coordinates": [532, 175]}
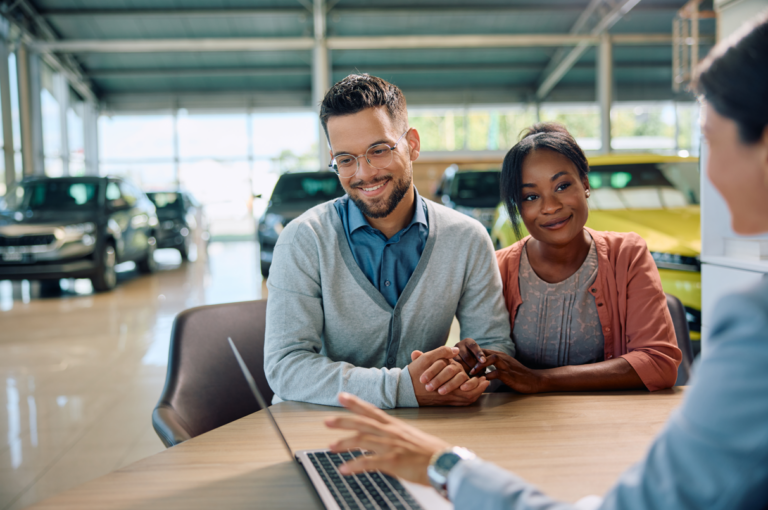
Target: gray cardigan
{"type": "Point", "coordinates": [330, 330]}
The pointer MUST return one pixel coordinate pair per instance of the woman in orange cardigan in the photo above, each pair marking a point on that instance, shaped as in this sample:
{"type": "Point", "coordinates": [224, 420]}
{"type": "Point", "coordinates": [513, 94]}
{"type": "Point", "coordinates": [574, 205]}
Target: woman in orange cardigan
{"type": "Point", "coordinates": [586, 308]}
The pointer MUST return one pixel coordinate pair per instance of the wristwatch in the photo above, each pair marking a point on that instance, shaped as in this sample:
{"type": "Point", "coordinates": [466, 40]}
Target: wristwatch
{"type": "Point", "coordinates": [441, 464]}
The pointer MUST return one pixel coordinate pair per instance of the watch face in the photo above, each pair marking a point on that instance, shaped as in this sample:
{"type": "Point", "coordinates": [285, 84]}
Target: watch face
{"type": "Point", "coordinates": [446, 461]}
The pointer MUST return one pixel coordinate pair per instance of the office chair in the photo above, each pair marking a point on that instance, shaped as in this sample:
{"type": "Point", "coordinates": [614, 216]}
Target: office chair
{"type": "Point", "coordinates": [204, 387]}
{"type": "Point", "coordinates": [677, 311]}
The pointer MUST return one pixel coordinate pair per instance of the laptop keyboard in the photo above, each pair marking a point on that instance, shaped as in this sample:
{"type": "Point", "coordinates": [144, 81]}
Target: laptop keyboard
{"type": "Point", "coordinates": [372, 490]}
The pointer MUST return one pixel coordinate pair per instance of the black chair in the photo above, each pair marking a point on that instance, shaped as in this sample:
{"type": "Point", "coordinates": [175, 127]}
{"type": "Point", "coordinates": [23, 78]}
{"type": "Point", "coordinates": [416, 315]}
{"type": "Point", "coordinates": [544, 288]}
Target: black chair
{"type": "Point", "coordinates": [677, 311]}
{"type": "Point", "coordinates": [204, 387]}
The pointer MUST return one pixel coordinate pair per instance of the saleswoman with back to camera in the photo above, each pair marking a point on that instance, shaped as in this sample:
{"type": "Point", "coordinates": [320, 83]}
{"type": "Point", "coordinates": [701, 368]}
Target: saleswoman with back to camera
{"type": "Point", "coordinates": [586, 307]}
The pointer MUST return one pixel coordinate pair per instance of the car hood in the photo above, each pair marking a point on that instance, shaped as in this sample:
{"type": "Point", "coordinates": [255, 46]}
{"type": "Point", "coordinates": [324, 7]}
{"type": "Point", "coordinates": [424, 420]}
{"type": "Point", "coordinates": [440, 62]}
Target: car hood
{"type": "Point", "coordinates": [292, 210]}
{"type": "Point", "coordinates": [18, 223]}
{"type": "Point", "coordinates": [674, 230]}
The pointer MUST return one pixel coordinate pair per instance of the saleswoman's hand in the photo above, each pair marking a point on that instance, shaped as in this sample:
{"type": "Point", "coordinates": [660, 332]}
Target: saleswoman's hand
{"type": "Point", "coordinates": [512, 373]}
{"type": "Point", "coordinates": [398, 448]}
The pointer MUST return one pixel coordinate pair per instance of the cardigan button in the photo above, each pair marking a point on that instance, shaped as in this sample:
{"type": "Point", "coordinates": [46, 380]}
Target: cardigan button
{"type": "Point", "coordinates": [594, 290]}
{"type": "Point", "coordinates": [391, 361]}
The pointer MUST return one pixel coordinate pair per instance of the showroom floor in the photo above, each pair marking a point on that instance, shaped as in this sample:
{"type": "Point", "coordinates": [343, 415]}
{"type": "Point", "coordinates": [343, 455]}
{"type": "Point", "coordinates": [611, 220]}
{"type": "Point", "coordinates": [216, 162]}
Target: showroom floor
{"type": "Point", "coordinates": [82, 372]}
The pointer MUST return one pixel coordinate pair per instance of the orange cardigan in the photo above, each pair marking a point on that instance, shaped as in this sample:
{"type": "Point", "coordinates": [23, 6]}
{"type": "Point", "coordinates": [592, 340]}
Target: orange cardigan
{"type": "Point", "coordinates": [630, 303]}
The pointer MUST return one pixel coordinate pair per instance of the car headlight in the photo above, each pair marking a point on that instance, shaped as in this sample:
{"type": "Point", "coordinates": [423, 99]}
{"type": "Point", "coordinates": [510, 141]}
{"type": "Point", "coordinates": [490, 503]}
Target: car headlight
{"type": "Point", "coordinates": [273, 222]}
{"type": "Point", "coordinates": [674, 261]}
{"type": "Point", "coordinates": [73, 232]}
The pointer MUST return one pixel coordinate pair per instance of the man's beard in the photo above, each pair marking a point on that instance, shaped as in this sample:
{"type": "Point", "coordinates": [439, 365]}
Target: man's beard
{"type": "Point", "coordinates": [383, 208]}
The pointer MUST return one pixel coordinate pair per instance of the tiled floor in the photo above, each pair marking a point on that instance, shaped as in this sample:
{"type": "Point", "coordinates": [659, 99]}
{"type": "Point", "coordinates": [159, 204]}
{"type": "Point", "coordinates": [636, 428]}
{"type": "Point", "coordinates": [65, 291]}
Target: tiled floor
{"type": "Point", "coordinates": [82, 371]}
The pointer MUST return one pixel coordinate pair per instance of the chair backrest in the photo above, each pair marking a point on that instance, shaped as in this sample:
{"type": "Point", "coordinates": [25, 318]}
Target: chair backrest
{"type": "Point", "coordinates": [680, 321]}
{"type": "Point", "coordinates": [204, 387]}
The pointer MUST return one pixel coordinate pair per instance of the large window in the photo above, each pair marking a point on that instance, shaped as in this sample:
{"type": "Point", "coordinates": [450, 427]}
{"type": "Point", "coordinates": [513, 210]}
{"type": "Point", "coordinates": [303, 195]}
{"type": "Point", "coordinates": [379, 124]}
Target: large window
{"type": "Point", "coordinates": [661, 127]}
{"type": "Point", "coordinates": [224, 159]}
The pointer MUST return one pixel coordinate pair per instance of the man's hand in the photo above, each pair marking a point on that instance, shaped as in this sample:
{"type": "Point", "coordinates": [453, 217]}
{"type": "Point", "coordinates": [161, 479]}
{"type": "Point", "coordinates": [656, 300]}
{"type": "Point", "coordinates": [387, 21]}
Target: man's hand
{"type": "Point", "coordinates": [470, 356]}
{"type": "Point", "coordinates": [513, 373]}
{"type": "Point", "coordinates": [400, 450]}
{"type": "Point", "coordinates": [438, 380]}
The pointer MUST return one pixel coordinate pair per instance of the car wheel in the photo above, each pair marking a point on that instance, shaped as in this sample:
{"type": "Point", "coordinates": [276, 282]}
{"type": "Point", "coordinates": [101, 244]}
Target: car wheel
{"type": "Point", "coordinates": [106, 276]}
{"type": "Point", "coordinates": [148, 265]}
{"type": "Point", "coordinates": [184, 250]}
{"type": "Point", "coordinates": [265, 269]}
{"type": "Point", "coordinates": [50, 288]}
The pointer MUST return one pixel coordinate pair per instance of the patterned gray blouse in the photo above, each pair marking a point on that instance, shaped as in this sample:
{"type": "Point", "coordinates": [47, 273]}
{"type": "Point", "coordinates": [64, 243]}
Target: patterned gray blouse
{"type": "Point", "coordinates": [557, 323]}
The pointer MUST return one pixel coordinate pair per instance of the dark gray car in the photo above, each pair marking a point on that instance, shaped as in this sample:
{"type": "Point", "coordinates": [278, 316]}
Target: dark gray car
{"type": "Point", "coordinates": [475, 193]}
{"type": "Point", "coordinates": [75, 227]}
{"type": "Point", "coordinates": [294, 193]}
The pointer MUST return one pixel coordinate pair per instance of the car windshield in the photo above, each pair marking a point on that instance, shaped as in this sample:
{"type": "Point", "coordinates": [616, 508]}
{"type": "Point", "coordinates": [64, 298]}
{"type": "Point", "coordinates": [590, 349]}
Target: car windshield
{"type": "Point", "coordinates": [476, 189]}
{"type": "Point", "coordinates": [51, 195]}
{"type": "Point", "coordinates": [167, 201]}
{"type": "Point", "coordinates": [306, 188]}
{"type": "Point", "coordinates": [644, 186]}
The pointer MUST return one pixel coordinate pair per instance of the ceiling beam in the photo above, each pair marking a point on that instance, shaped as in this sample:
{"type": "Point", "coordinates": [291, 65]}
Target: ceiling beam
{"type": "Point", "coordinates": [101, 74]}
{"type": "Point", "coordinates": [490, 10]}
{"type": "Point", "coordinates": [577, 27]}
{"type": "Point", "coordinates": [224, 44]}
{"type": "Point", "coordinates": [65, 64]}
{"type": "Point", "coordinates": [550, 80]}
{"type": "Point", "coordinates": [173, 13]}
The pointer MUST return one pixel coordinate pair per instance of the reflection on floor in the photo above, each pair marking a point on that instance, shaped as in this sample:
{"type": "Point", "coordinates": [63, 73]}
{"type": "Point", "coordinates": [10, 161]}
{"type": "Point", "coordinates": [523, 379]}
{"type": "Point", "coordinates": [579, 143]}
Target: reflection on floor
{"type": "Point", "coordinates": [82, 371]}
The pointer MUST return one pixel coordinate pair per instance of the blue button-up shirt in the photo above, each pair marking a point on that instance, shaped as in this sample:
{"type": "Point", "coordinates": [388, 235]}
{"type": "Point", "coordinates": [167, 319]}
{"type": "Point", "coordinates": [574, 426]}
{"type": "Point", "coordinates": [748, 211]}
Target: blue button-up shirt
{"type": "Point", "coordinates": [387, 263]}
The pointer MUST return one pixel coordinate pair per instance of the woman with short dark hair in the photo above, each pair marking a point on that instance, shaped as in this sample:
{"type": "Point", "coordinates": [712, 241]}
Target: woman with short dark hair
{"type": "Point", "coordinates": [586, 308]}
{"type": "Point", "coordinates": [713, 451]}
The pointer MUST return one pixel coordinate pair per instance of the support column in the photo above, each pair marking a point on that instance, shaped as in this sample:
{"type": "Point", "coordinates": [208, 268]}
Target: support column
{"type": "Point", "coordinates": [176, 156]}
{"type": "Point", "coordinates": [605, 90]}
{"type": "Point", "coordinates": [320, 78]}
{"type": "Point", "coordinates": [28, 70]}
{"type": "Point", "coordinates": [5, 106]}
{"type": "Point", "coordinates": [91, 137]}
{"type": "Point", "coordinates": [61, 92]}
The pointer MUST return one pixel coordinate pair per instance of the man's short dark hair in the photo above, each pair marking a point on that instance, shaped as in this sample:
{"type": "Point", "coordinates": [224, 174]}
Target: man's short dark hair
{"type": "Point", "coordinates": [358, 92]}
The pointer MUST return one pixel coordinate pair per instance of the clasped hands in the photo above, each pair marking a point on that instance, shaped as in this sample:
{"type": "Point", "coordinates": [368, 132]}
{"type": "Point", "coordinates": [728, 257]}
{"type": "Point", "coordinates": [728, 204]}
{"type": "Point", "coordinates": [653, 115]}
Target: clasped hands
{"type": "Point", "coordinates": [456, 375]}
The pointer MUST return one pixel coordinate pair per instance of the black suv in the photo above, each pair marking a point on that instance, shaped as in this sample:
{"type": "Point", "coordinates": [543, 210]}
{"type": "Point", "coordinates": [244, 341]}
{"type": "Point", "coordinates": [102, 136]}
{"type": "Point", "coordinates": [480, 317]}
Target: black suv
{"type": "Point", "coordinates": [475, 193]}
{"type": "Point", "coordinates": [75, 227]}
{"type": "Point", "coordinates": [294, 193]}
{"type": "Point", "coordinates": [182, 222]}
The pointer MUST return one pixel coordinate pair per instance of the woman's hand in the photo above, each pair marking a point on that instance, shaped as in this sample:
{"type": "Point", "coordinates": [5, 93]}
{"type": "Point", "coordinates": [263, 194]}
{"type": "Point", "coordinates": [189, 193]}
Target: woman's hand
{"type": "Point", "coordinates": [471, 356]}
{"type": "Point", "coordinates": [399, 449]}
{"type": "Point", "coordinates": [512, 373]}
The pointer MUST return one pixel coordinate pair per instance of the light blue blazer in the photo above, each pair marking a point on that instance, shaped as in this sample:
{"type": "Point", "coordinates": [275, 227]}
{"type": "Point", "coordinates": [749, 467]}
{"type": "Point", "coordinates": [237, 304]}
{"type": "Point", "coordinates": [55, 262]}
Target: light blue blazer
{"type": "Point", "coordinates": [712, 453]}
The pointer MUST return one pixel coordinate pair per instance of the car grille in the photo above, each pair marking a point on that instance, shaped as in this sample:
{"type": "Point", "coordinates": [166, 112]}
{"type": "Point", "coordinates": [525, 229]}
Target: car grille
{"type": "Point", "coordinates": [35, 240]}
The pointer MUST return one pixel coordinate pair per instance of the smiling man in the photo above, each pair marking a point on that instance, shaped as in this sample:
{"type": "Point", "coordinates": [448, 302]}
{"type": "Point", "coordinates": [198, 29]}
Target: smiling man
{"type": "Point", "coordinates": [360, 286]}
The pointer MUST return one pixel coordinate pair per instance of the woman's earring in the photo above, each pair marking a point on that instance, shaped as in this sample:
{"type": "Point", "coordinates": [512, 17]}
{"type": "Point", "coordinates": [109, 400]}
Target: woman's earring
{"type": "Point", "coordinates": [587, 192]}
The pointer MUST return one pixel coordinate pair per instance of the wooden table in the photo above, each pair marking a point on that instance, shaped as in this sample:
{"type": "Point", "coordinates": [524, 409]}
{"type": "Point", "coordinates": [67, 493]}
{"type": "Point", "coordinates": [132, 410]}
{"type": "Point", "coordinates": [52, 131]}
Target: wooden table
{"type": "Point", "coordinates": [570, 445]}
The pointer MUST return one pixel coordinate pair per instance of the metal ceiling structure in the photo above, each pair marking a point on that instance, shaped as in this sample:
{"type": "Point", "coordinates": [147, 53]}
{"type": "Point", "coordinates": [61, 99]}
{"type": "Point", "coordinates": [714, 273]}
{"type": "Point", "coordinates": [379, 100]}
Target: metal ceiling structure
{"type": "Point", "coordinates": [155, 55]}
{"type": "Point", "coordinates": [144, 54]}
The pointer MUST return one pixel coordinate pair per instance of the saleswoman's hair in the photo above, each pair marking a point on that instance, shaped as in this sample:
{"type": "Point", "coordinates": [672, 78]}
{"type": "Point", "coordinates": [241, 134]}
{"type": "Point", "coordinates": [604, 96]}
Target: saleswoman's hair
{"type": "Point", "coordinates": [734, 79]}
{"type": "Point", "coordinates": [545, 135]}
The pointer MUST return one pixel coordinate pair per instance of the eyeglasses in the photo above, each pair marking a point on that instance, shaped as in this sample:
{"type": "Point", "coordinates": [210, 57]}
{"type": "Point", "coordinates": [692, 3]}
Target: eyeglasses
{"type": "Point", "coordinates": [378, 156]}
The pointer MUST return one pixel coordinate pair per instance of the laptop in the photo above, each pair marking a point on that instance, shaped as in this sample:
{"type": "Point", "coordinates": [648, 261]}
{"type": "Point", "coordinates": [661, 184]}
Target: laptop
{"type": "Point", "coordinates": [338, 492]}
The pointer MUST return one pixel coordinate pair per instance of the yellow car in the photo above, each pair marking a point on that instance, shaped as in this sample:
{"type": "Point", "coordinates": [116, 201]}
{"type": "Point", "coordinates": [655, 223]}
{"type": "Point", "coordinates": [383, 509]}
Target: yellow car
{"type": "Point", "coordinates": [656, 197]}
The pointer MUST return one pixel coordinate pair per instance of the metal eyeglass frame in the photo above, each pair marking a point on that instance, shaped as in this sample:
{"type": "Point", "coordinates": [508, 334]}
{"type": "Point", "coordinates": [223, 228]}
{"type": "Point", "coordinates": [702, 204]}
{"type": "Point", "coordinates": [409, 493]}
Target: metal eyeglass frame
{"type": "Point", "coordinates": [392, 149]}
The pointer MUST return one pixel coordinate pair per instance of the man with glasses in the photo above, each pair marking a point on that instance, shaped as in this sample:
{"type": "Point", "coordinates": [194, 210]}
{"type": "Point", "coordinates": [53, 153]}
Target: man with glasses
{"type": "Point", "coordinates": [360, 286]}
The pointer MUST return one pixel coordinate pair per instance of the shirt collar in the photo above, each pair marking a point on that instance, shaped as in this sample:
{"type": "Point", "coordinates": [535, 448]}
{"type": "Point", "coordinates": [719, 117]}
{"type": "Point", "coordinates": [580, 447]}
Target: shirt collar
{"type": "Point", "coordinates": [357, 219]}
